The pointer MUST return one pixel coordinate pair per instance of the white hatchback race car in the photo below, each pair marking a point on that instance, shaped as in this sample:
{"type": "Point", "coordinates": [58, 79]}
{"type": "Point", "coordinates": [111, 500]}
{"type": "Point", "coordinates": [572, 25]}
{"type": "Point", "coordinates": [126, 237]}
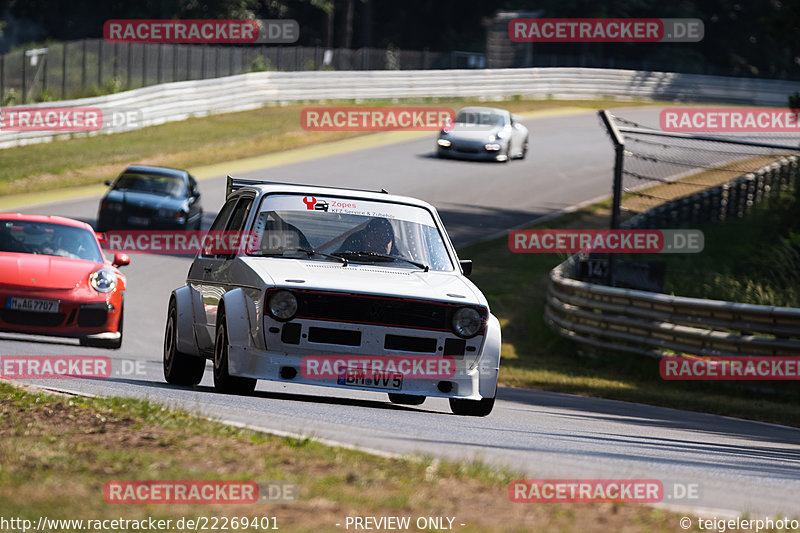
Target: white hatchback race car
{"type": "Point", "coordinates": [334, 287]}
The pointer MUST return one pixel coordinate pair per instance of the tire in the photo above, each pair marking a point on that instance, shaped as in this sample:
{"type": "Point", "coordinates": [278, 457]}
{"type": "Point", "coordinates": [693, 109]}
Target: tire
{"type": "Point", "coordinates": [471, 407]}
{"type": "Point", "coordinates": [406, 399]}
{"type": "Point", "coordinates": [179, 368]}
{"type": "Point", "coordinates": [113, 344]}
{"type": "Point", "coordinates": [224, 382]}
{"type": "Point", "coordinates": [524, 150]}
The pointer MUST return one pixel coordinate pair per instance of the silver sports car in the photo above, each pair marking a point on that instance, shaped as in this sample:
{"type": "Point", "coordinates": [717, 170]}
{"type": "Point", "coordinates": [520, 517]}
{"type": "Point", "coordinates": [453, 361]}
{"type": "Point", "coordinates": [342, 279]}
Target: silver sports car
{"type": "Point", "coordinates": [484, 133]}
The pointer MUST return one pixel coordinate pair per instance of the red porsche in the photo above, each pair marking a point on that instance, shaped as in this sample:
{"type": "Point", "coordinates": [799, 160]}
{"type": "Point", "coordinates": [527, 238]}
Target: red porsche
{"type": "Point", "coordinates": [55, 280]}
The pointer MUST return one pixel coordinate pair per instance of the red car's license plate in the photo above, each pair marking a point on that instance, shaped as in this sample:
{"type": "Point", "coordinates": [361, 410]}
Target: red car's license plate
{"type": "Point", "coordinates": [31, 304]}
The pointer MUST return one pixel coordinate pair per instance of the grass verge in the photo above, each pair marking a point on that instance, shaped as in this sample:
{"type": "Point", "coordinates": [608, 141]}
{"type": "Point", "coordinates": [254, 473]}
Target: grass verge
{"type": "Point", "coordinates": [86, 160]}
{"type": "Point", "coordinates": [59, 452]}
{"type": "Point", "coordinates": [534, 356]}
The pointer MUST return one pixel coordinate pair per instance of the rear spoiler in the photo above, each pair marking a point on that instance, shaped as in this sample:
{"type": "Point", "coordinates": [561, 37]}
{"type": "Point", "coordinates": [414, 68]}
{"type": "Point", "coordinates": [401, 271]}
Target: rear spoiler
{"type": "Point", "coordinates": [234, 184]}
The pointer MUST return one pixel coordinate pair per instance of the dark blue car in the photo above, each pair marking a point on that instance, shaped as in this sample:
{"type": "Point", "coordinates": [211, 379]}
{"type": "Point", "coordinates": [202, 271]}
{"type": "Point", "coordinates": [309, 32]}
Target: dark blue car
{"type": "Point", "coordinates": [145, 197]}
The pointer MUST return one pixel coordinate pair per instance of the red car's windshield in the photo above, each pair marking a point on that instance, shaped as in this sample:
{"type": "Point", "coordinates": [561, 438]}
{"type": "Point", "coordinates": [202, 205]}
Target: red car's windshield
{"type": "Point", "coordinates": [29, 237]}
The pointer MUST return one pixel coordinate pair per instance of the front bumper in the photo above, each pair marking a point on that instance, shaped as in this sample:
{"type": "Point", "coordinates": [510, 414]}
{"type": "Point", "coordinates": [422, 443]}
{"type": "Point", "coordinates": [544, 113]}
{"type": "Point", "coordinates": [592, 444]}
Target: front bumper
{"type": "Point", "coordinates": [80, 314]}
{"type": "Point", "coordinates": [466, 383]}
{"type": "Point", "coordinates": [115, 220]}
{"type": "Point", "coordinates": [475, 151]}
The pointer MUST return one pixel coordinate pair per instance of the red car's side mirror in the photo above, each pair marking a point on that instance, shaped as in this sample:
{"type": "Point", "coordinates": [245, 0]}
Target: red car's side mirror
{"type": "Point", "coordinates": [121, 260]}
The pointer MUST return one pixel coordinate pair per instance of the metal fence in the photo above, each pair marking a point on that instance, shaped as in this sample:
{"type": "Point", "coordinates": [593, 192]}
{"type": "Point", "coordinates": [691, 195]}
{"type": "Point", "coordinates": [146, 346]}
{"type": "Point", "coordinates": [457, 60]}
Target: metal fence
{"type": "Point", "coordinates": [653, 324]}
{"type": "Point", "coordinates": [93, 66]}
{"type": "Point", "coordinates": [169, 102]}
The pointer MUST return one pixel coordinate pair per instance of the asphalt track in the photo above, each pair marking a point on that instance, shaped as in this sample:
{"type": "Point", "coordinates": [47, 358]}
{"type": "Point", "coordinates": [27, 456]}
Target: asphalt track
{"type": "Point", "coordinates": [736, 466]}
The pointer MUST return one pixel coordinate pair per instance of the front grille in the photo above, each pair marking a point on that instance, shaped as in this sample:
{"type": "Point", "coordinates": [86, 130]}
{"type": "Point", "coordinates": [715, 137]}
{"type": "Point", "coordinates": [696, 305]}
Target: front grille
{"type": "Point", "coordinates": [467, 149]}
{"type": "Point", "coordinates": [410, 344]}
{"type": "Point", "coordinates": [334, 336]}
{"type": "Point", "coordinates": [92, 316]}
{"type": "Point", "coordinates": [138, 211]}
{"type": "Point", "coordinates": [377, 310]}
{"type": "Point", "coordinates": [291, 333]}
{"type": "Point", "coordinates": [32, 318]}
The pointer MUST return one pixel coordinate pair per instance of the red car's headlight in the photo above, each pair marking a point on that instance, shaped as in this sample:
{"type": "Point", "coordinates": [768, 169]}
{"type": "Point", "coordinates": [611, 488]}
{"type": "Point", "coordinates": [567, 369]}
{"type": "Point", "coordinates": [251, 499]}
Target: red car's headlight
{"type": "Point", "coordinates": [103, 280]}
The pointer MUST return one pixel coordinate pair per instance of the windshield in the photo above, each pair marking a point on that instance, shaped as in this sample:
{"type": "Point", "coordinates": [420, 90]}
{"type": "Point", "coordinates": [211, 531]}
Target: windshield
{"type": "Point", "coordinates": [166, 185]}
{"type": "Point", "coordinates": [28, 237]}
{"type": "Point", "coordinates": [360, 231]}
{"type": "Point", "coordinates": [479, 118]}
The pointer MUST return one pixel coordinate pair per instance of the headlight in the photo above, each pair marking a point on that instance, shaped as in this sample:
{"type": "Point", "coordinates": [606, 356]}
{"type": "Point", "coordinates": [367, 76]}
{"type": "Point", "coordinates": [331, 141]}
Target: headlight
{"type": "Point", "coordinates": [282, 305]}
{"type": "Point", "coordinates": [443, 142]}
{"type": "Point", "coordinates": [103, 280]}
{"type": "Point", "coordinates": [502, 135]}
{"type": "Point", "coordinates": [467, 322]}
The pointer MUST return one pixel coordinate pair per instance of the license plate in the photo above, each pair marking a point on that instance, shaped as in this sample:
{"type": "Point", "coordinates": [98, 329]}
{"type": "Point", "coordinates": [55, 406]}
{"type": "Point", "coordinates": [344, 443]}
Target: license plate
{"type": "Point", "coordinates": [138, 221]}
{"type": "Point", "coordinates": [31, 304]}
{"type": "Point", "coordinates": [372, 380]}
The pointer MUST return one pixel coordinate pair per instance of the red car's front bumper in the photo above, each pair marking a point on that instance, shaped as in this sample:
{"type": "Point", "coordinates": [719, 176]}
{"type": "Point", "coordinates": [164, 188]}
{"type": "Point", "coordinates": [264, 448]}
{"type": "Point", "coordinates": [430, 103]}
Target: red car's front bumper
{"type": "Point", "coordinates": [82, 312]}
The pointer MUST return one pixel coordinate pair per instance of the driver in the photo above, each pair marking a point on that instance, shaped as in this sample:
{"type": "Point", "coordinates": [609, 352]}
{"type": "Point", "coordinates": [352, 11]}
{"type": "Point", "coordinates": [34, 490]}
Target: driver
{"type": "Point", "coordinates": [69, 245]}
{"type": "Point", "coordinates": [376, 237]}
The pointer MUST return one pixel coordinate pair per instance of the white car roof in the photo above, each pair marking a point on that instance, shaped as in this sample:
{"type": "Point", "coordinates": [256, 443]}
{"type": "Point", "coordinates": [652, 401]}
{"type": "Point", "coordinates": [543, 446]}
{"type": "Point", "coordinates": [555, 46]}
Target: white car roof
{"type": "Point", "coordinates": [269, 187]}
{"type": "Point", "coordinates": [495, 110]}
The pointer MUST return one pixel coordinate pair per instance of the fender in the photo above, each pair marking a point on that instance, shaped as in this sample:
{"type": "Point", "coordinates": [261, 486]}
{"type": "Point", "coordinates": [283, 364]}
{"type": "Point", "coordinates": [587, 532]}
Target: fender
{"type": "Point", "coordinates": [240, 317]}
{"type": "Point", "coordinates": [489, 364]}
{"type": "Point", "coordinates": [185, 305]}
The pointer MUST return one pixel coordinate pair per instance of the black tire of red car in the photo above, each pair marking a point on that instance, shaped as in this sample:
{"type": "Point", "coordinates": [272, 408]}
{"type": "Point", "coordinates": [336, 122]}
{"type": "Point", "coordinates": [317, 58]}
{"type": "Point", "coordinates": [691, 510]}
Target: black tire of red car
{"type": "Point", "coordinates": [480, 407]}
{"type": "Point", "coordinates": [224, 382]}
{"type": "Point", "coordinates": [113, 344]}
{"type": "Point", "coordinates": [405, 399]}
{"type": "Point", "coordinates": [179, 368]}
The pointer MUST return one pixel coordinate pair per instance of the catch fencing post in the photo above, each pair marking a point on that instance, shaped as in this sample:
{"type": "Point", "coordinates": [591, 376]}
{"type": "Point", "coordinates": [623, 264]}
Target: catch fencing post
{"type": "Point", "coordinates": [619, 151]}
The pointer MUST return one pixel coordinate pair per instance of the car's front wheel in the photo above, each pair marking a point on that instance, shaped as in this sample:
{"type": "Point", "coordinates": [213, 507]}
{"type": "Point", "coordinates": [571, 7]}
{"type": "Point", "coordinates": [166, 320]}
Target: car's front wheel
{"type": "Point", "coordinates": [223, 381]}
{"type": "Point", "coordinates": [406, 399]}
{"type": "Point", "coordinates": [480, 407]}
{"type": "Point", "coordinates": [524, 150]}
{"type": "Point", "coordinates": [179, 368]}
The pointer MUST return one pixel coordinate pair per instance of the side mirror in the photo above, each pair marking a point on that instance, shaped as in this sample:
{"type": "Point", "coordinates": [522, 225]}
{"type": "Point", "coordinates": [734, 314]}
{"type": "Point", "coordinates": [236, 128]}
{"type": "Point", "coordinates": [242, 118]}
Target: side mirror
{"type": "Point", "coordinates": [466, 266]}
{"type": "Point", "coordinates": [107, 182]}
{"type": "Point", "coordinates": [121, 259]}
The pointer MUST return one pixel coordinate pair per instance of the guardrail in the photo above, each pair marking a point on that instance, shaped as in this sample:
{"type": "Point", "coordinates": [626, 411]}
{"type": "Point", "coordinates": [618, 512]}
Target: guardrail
{"type": "Point", "coordinates": [180, 100]}
{"type": "Point", "coordinates": [649, 323]}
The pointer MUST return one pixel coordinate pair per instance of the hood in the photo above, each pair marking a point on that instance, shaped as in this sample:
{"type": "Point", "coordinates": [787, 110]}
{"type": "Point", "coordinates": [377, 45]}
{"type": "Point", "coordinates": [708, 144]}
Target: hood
{"type": "Point", "coordinates": [471, 133]}
{"type": "Point", "coordinates": [155, 201]}
{"type": "Point", "coordinates": [366, 279]}
{"type": "Point", "coordinates": [44, 271]}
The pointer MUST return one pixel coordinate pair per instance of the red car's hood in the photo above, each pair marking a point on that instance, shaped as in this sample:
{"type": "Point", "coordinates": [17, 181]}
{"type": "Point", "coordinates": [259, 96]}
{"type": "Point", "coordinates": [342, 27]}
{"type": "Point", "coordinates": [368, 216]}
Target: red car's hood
{"type": "Point", "coordinates": [44, 271]}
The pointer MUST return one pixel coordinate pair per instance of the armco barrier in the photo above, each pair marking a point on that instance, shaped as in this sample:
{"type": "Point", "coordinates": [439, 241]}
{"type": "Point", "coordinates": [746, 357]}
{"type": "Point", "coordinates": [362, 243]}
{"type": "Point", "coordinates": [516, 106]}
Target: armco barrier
{"type": "Point", "coordinates": [650, 323]}
{"type": "Point", "coordinates": [180, 100]}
